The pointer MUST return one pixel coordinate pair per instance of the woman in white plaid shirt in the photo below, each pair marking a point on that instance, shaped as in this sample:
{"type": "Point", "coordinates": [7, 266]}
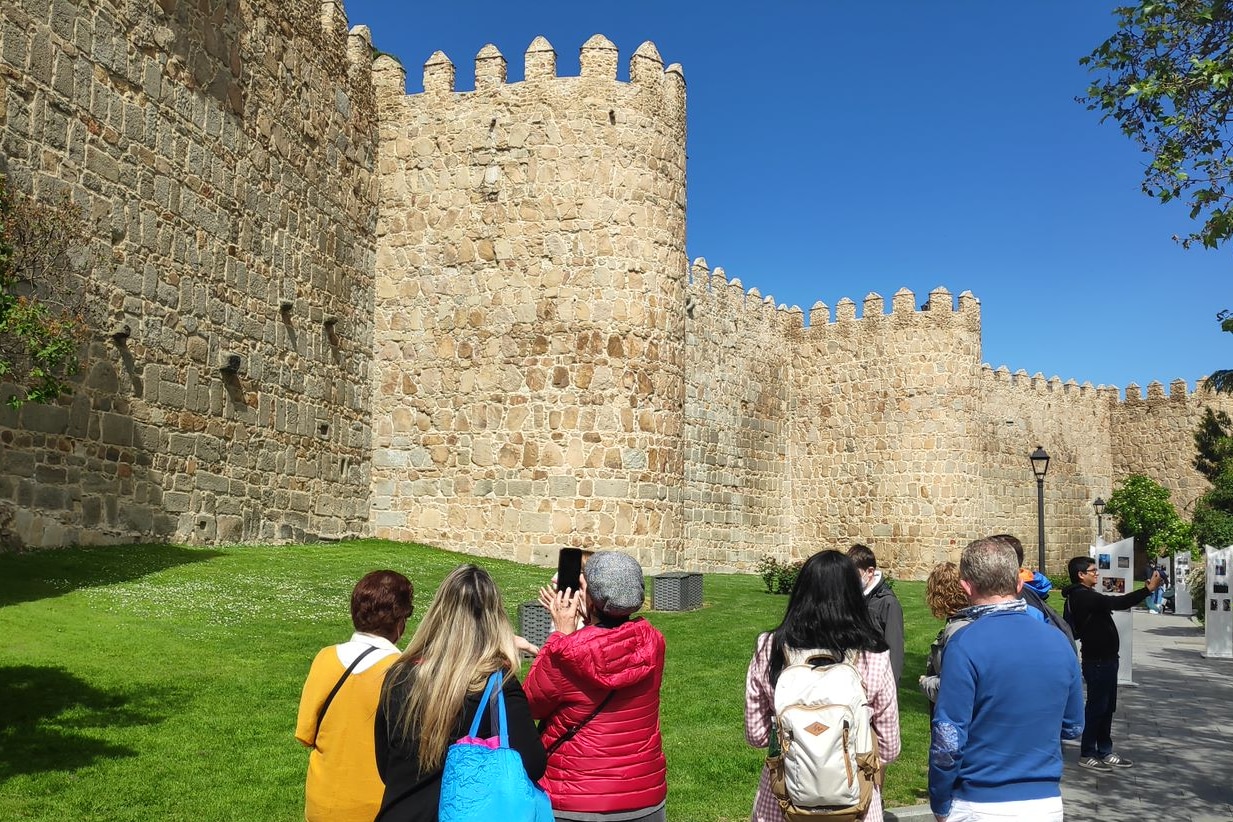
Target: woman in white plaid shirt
{"type": "Point", "coordinates": [826, 610]}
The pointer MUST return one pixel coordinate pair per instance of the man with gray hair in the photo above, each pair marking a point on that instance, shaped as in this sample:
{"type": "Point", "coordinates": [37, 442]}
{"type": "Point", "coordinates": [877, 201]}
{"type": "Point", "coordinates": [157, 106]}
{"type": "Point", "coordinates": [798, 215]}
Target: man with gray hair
{"type": "Point", "coordinates": [996, 748]}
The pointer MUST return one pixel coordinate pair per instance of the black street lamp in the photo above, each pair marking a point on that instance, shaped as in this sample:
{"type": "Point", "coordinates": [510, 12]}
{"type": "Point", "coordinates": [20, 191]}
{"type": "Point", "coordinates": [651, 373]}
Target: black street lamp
{"type": "Point", "coordinates": [1099, 505]}
{"type": "Point", "coordinates": [1040, 465]}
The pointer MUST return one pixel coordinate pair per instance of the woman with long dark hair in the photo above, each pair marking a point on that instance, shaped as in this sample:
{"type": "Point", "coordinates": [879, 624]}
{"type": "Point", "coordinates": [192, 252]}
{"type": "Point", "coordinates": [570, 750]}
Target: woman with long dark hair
{"type": "Point", "coordinates": [827, 611]}
{"type": "Point", "coordinates": [433, 691]}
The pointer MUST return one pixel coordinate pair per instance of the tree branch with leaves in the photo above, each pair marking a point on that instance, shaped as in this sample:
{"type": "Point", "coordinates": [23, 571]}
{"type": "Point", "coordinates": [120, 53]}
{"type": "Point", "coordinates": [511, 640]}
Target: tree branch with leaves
{"type": "Point", "coordinates": [1166, 78]}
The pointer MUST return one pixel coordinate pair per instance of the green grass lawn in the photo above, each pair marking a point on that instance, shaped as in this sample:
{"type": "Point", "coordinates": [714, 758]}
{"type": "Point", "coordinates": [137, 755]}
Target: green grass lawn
{"type": "Point", "coordinates": [161, 682]}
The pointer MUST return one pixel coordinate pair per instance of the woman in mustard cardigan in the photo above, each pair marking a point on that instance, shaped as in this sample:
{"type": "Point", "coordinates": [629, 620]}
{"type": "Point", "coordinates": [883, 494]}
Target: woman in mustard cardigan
{"type": "Point", "coordinates": [343, 784]}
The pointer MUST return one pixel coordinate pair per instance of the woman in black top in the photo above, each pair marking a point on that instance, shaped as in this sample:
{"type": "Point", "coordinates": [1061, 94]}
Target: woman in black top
{"type": "Point", "coordinates": [432, 692]}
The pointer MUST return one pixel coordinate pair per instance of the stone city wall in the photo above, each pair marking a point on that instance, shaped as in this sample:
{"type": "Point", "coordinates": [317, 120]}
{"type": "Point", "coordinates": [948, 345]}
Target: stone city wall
{"type": "Point", "coordinates": [738, 393]}
{"type": "Point", "coordinates": [884, 450]}
{"type": "Point", "coordinates": [529, 324]}
{"type": "Point", "coordinates": [465, 318]}
{"type": "Point", "coordinates": [225, 154]}
{"type": "Point", "coordinates": [1154, 435]}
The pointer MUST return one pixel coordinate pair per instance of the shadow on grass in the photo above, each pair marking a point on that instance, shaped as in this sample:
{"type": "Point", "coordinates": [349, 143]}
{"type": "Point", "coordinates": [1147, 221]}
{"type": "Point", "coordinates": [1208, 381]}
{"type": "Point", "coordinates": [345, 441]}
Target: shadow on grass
{"type": "Point", "coordinates": [38, 575]}
{"type": "Point", "coordinates": [48, 716]}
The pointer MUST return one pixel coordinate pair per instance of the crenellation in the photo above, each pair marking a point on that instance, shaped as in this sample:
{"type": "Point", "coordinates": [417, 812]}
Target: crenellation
{"type": "Point", "coordinates": [903, 302]}
{"type": "Point", "coordinates": [845, 310]}
{"type": "Point", "coordinates": [540, 62]}
{"type": "Point", "coordinates": [968, 303]}
{"type": "Point", "coordinates": [699, 272]}
{"type": "Point", "coordinates": [598, 58]}
{"type": "Point", "coordinates": [333, 20]}
{"type": "Point", "coordinates": [819, 315]}
{"type": "Point", "coordinates": [646, 67]}
{"type": "Point", "coordinates": [490, 68]}
{"type": "Point", "coordinates": [940, 300]}
{"type": "Point", "coordinates": [1133, 393]}
{"type": "Point", "coordinates": [1155, 390]}
{"type": "Point", "coordinates": [359, 51]}
{"type": "Point", "coordinates": [438, 74]}
{"type": "Point", "coordinates": [1178, 390]}
{"type": "Point", "coordinates": [873, 306]}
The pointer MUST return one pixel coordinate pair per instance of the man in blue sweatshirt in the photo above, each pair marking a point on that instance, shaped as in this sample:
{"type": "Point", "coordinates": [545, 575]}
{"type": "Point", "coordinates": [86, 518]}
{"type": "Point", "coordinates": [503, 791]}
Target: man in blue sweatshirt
{"type": "Point", "coordinates": [996, 748]}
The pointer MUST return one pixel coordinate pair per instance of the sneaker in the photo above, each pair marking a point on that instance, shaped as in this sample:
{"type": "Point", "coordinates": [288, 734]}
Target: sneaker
{"type": "Point", "coordinates": [1117, 761]}
{"type": "Point", "coordinates": [1093, 763]}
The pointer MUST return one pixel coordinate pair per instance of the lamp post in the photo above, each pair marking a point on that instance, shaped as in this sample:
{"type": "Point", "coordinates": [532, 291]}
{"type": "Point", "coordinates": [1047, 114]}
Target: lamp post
{"type": "Point", "coordinates": [1099, 505]}
{"type": "Point", "coordinates": [1040, 465]}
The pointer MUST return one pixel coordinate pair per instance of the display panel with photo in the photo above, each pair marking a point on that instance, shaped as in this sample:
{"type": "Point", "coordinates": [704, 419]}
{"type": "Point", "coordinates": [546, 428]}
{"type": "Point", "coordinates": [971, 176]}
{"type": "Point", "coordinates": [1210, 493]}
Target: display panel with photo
{"type": "Point", "coordinates": [1102, 562]}
{"type": "Point", "coordinates": [1213, 605]}
{"type": "Point", "coordinates": [1113, 585]}
{"type": "Point", "coordinates": [1123, 562]}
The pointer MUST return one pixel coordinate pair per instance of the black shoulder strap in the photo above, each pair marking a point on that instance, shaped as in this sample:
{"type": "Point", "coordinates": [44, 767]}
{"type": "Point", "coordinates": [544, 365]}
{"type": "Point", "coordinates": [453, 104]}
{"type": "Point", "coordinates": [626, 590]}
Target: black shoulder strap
{"type": "Point", "coordinates": [325, 705]}
{"type": "Point", "coordinates": [568, 735]}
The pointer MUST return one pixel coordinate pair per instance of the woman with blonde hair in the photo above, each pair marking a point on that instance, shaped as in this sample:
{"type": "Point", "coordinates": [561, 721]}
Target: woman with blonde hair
{"type": "Point", "coordinates": [946, 600]}
{"type": "Point", "coordinates": [433, 691]}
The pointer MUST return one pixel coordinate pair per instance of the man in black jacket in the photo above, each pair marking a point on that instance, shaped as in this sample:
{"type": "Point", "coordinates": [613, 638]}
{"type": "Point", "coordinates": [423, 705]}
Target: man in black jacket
{"type": "Point", "coordinates": [884, 606]}
{"type": "Point", "coordinates": [1091, 614]}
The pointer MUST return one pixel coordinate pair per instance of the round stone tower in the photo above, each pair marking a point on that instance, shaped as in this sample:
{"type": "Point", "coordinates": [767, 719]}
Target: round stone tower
{"type": "Point", "coordinates": [528, 377]}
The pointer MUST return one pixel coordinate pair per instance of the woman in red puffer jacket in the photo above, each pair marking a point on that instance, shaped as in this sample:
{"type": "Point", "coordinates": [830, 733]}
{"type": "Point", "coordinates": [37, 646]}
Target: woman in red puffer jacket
{"type": "Point", "coordinates": [596, 688]}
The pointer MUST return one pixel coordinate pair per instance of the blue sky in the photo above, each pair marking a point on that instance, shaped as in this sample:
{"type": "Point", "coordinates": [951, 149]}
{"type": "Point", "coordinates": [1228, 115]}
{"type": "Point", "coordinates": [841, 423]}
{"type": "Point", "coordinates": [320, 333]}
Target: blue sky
{"type": "Point", "coordinates": [841, 148]}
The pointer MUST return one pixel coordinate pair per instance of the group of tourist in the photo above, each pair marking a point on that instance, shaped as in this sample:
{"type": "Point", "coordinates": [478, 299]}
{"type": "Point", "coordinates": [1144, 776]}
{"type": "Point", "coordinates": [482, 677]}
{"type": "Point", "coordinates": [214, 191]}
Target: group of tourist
{"type": "Point", "coordinates": [585, 723]}
{"type": "Point", "coordinates": [379, 722]}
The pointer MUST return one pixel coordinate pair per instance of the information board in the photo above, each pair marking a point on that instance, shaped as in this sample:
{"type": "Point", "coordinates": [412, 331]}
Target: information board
{"type": "Point", "coordinates": [1218, 627]}
{"type": "Point", "coordinates": [1182, 604]}
{"type": "Point", "coordinates": [1116, 576]}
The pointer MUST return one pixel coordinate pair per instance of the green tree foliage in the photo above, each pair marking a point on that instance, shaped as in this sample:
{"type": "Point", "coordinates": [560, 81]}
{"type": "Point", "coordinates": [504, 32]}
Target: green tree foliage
{"type": "Point", "coordinates": [1144, 511]}
{"type": "Point", "coordinates": [1213, 512]}
{"type": "Point", "coordinates": [42, 294]}
{"type": "Point", "coordinates": [1166, 78]}
{"type": "Point", "coordinates": [1213, 442]}
{"type": "Point", "coordinates": [1222, 381]}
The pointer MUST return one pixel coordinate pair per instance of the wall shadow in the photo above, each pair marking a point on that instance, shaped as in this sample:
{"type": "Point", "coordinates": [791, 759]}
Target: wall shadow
{"type": "Point", "coordinates": [48, 711]}
{"type": "Point", "coordinates": [35, 575]}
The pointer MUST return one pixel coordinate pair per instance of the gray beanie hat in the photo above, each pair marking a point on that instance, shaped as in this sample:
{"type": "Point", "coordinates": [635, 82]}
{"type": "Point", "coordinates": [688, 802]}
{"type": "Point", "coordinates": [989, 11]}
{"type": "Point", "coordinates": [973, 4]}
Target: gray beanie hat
{"type": "Point", "coordinates": [614, 582]}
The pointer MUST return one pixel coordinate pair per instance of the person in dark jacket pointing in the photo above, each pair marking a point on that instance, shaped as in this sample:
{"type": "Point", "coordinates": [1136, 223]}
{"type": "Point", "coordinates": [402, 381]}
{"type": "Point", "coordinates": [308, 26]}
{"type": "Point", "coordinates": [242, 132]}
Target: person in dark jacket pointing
{"type": "Point", "coordinates": [1091, 614]}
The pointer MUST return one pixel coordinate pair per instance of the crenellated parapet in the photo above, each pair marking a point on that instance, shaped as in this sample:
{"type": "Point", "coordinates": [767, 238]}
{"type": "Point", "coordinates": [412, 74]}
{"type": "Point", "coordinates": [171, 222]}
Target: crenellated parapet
{"type": "Point", "coordinates": [1040, 386]}
{"type": "Point", "coordinates": [710, 291]}
{"type": "Point", "coordinates": [652, 89]}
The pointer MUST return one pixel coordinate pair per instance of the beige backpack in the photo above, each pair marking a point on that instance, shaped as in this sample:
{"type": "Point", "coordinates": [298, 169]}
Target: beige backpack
{"type": "Point", "coordinates": [825, 765]}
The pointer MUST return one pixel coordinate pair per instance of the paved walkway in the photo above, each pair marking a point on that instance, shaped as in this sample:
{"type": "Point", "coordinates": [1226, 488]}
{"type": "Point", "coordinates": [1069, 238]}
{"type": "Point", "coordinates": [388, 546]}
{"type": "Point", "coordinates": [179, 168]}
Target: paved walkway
{"type": "Point", "coordinates": [1176, 723]}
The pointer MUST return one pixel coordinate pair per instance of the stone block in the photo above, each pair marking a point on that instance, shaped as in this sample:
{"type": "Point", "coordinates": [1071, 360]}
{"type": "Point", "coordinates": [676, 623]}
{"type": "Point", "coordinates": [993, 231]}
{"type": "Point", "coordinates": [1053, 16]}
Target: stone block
{"type": "Point", "coordinates": [612, 488]}
{"type": "Point", "coordinates": [45, 419]}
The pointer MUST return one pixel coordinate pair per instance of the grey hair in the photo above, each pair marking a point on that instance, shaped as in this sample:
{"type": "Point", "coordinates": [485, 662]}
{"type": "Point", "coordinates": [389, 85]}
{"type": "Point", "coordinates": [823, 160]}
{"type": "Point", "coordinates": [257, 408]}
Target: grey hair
{"type": "Point", "coordinates": [990, 566]}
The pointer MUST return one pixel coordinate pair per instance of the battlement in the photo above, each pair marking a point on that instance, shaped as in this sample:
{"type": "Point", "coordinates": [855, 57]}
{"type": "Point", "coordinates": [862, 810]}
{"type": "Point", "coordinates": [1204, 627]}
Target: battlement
{"type": "Point", "coordinates": [351, 45]}
{"type": "Point", "coordinates": [939, 309]}
{"type": "Point", "coordinates": [1178, 390]}
{"type": "Point", "coordinates": [711, 289]}
{"type": "Point", "coordinates": [598, 59]}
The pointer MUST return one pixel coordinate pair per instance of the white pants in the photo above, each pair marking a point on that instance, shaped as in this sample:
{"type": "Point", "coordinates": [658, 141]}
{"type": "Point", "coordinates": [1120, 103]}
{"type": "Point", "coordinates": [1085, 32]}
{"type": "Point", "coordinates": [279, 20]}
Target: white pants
{"type": "Point", "coordinates": [1026, 810]}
